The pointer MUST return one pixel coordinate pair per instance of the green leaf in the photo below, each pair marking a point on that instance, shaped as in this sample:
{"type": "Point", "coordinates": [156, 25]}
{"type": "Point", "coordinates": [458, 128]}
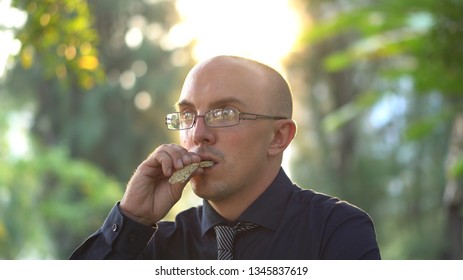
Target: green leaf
{"type": "Point", "coordinates": [456, 170]}
{"type": "Point", "coordinates": [338, 61]}
{"type": "Point", "coordinates": [346, 113]}
{"type": "Point", "coordinates": [424, 127]}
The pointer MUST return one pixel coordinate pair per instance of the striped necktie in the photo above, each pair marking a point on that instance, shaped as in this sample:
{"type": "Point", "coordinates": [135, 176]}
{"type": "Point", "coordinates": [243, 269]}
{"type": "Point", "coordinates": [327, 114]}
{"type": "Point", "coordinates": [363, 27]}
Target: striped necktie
{"type": "Point", "coordinates": [225, 238]}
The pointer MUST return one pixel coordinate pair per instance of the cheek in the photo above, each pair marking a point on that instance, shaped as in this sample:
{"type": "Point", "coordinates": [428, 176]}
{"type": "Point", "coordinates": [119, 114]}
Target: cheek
{"type": "Point", "coordinates": [248, 149]}
{"type": "Point", "coordinates": [185, 138]}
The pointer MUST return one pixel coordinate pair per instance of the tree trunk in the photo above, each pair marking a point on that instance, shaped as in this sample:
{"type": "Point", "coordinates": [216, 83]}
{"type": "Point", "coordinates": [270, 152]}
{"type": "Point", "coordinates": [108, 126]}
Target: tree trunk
{"type": "Point", "coordinates": [453, 195]}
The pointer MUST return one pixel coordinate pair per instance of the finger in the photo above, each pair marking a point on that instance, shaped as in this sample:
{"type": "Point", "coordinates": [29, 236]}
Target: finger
{"type": "Point", "coordinates": [159, 159]}
{"type": "Point", "coordinates": [166, 162]}
{"type": "Point", "coordinates": [180, 156]}
{"type": "Point", "coordinates": [169, 157]}
{"type": "Point", "coordinates": [190, 158]}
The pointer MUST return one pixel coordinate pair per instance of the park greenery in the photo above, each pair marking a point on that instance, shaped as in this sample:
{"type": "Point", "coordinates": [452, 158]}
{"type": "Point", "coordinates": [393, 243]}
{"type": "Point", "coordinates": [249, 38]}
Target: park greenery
{"type": "Point", "coordinates": [379, 107]}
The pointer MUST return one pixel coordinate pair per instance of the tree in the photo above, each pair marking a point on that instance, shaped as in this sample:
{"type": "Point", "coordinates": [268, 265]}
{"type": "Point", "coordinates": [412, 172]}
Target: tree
{"type": "Point", "coordinates": [96, 77]}
{"type": "Point", "coordinates": [390, 58]}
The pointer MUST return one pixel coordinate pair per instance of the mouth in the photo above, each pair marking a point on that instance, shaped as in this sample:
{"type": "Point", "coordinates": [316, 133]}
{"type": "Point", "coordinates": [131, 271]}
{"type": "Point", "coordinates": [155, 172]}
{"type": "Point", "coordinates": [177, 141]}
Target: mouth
{"type": "Point", "coordinates": [208, 155]}
{"type": "Point", "coordinates": [210, 164]}
{"type": "Point", "coordinates": [210, 167]}
{"type": "Point", "coordinates": [209, 159]}
{"type": "Point", "coordinates": [206, 164]}
{"type": "Point", "coordinates": [184, 174]}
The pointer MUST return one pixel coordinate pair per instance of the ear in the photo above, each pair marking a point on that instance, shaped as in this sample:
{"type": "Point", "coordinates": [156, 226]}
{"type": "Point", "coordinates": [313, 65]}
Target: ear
{"type": "Point", "coordinates": [284, 133]}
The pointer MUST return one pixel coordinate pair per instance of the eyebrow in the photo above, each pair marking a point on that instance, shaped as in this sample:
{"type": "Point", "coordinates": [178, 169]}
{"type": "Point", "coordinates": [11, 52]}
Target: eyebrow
{"type": "Point", "coordinates": [214, 104]}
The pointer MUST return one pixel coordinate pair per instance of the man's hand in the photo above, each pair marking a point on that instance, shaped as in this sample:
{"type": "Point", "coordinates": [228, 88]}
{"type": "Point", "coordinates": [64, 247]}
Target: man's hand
{"type": "Point", "coordinates": [149, 195]}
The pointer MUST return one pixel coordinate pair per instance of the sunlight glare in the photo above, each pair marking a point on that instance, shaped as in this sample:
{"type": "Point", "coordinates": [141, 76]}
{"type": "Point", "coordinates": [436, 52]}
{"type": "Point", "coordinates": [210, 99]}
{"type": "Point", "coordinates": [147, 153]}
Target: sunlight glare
{"type": "Point", "coordinates": [259, 29]}
{"type": "Point", "coordinates": [10, 19]}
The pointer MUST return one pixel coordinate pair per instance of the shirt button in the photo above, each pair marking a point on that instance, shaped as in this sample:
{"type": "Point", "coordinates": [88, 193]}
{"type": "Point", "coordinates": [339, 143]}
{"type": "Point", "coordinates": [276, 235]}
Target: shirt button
{"type": "Point", "coordinates": [115, 227]}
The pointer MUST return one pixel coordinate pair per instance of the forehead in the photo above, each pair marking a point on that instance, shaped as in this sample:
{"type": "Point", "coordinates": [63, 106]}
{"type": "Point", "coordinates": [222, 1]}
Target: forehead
{"type": "Point", "coordinates": [220, 102]}
{"type": "Point", "coordinates": [219, 84]}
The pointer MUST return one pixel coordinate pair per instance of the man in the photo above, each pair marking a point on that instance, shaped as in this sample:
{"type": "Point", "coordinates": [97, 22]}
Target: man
{"type": "Point", "coordinates": [236, 113]}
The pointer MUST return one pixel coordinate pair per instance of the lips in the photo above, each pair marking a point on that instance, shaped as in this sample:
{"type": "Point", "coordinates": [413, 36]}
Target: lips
{"type": "Point", "coordinates": [209, 159]}
{"type": "Point", "coordinates": [207, 153]}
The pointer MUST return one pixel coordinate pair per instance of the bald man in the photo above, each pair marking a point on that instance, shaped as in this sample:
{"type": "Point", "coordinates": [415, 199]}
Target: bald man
{"type": "Point", "coordinates": [235, 114]}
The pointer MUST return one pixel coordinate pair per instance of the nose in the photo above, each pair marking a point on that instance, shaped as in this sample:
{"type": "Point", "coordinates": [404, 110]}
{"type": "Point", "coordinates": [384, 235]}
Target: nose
{"type": "Point", "coordinates": [200, 133]}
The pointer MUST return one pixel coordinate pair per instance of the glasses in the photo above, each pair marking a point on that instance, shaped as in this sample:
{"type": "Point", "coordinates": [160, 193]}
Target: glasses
{"type": "Point", "coordinates": [213, 118]}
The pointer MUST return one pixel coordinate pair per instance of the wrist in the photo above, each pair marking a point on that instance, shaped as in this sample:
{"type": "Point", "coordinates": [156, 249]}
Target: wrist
{"type": "Point", "coordinates": [141, 220]}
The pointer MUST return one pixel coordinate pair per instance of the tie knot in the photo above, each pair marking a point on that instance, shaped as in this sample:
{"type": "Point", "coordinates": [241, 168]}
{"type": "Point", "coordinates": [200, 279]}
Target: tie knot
{"type": "Point", "coordinates": [225, 238]}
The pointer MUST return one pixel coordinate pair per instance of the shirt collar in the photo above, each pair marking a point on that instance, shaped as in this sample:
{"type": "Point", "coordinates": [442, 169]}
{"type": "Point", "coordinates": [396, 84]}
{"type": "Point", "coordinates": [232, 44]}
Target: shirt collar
{"type": "Point", "coordinates": [265, 211]}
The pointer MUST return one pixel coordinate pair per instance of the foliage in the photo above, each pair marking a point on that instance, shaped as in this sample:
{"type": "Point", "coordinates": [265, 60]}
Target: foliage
{"type": "Point", "coordinates": [48, 202]}
{"type": "Point", "coordinates": [400, 32]}
{"type": "Point", "coordinates": [387, 155]}
{"type": "Point", "coordinates": [96, 98]}
{"type": "Point", "coordinates": [112, 123]}
{"type": "Point", "coordinates": [60, 35]}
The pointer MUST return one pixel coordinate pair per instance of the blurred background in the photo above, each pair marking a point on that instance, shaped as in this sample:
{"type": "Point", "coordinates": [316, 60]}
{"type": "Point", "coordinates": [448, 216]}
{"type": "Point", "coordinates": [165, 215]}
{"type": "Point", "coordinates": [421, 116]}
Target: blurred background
{"type": "Point", "coordinates": [85, 85]}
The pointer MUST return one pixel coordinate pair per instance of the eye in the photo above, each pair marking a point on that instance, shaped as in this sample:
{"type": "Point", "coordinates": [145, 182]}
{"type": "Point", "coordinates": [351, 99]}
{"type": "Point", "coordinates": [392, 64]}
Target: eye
{"type": "Point", "coordinates": [187, 115]}
{"type": "Point", "coordinates": [229, 113]}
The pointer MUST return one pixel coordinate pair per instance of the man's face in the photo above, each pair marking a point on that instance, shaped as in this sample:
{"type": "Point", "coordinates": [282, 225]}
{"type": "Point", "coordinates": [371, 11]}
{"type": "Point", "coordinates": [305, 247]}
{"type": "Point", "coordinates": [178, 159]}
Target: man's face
{"type": "Point", "coordinates": [239, 152]}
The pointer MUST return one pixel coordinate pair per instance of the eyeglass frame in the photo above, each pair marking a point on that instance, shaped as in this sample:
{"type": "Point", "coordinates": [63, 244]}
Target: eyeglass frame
{"type": "Point", "coordinates": [241, 116]}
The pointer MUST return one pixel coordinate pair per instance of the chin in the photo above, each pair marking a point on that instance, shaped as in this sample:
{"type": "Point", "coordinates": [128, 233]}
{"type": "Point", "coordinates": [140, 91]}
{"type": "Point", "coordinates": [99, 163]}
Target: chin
{"type": "Point", "coordinates": [205, 189]}
{"type": "Point", "coordinates": [198, 187]}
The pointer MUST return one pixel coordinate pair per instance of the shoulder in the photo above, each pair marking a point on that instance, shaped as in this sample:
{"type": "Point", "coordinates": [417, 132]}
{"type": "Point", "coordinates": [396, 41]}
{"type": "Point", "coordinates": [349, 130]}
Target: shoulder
{"type": "Point", "coordinates": [345, 230]}
{"type": "Point", "coordinates": [324, 205]}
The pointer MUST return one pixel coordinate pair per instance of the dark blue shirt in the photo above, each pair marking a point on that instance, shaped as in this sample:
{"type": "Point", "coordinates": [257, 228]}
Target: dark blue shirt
{"type": "Point", "coordinates": [293, 224]}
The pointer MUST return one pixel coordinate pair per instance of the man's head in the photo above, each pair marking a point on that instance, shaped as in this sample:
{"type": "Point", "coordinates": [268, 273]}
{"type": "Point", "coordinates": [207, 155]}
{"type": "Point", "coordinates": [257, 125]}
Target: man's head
{"type": "Point", "coordinates": [247, 155]}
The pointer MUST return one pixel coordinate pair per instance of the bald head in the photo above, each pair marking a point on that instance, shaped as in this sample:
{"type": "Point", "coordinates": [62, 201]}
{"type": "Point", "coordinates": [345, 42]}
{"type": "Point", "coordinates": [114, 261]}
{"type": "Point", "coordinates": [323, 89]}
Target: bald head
{"type": "Point", "coordinates": [263, 79]}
